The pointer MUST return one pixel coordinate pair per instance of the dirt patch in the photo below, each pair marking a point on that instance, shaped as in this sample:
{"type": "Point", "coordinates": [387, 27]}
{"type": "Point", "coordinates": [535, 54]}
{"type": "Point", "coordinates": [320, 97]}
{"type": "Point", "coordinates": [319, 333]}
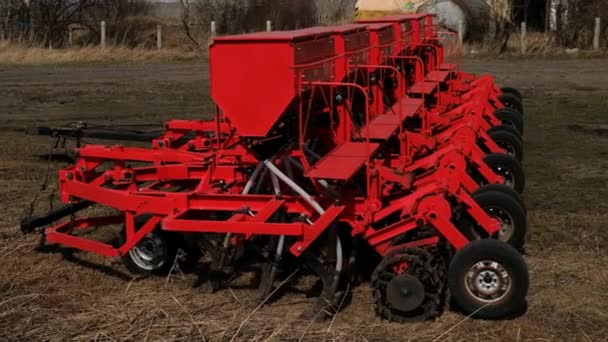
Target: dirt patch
{"type": "Point", "coordinates": [48, 296]}
{"type": "Point", "coordinates": [601, 130]}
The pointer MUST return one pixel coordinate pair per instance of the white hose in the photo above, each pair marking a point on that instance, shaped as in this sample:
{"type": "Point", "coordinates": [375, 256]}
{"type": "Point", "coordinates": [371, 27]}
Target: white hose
{"type": "Point", "coordinates": [295, 187]}
{"type": "Point", "coordinates": [277, 191]}
{"type": "Point", "coordinates": [297, 164]}
{"type": "Point", "coordinates": [275, 184]}
{"type": "Point", "coordinates": [253, 178]}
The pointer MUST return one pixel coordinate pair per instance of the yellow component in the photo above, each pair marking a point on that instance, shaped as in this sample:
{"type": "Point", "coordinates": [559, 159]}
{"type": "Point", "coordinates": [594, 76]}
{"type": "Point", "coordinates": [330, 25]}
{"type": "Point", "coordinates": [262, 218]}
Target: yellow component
{"type": "Point", "coordinates": [366, 9]}
{"type": "Point", "coordinates": [372, 14]}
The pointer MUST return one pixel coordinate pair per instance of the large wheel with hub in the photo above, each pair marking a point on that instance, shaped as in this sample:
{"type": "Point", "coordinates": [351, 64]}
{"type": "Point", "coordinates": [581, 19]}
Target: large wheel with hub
{"type": "Point", "coordinates": [511, 101]}
{"type": "Point", "coordinates": [510, 117]}
{"type": "Point", "coordinates": [504, 208]}
{"type": "Point", "coordinates": [510, 143]}
{"type": "Point", "coordinates": [154, 254]}
{"type": "Point", "coordinates": [508, 167]}
{"type": "Point", "coordinates": [513, 92]}
{"type": "Point", "coordinates": [409, 285]}
{"type": "Point", "coordinates": [488, 279]}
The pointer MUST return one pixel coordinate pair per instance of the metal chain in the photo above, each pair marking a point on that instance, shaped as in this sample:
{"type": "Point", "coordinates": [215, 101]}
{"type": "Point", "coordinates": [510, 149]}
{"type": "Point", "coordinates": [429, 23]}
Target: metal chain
{"type": "Point", "coordinates": [30, 210]}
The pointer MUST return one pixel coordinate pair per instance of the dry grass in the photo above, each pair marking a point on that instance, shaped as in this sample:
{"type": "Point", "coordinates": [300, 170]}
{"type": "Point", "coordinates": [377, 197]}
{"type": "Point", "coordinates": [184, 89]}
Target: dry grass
{"type": "Point", "coordinates": [179, 49]}
{"type": "Point", "coordinates": [46, 297]}
{"type": "Point", "coordinates": [537, 45]}
{"type": "Point", "coordinates": [11, 54]}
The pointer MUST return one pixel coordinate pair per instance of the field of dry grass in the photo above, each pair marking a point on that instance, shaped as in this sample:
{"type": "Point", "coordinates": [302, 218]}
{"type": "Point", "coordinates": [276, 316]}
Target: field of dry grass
{"type": "Point", "coordinates": [179, 49]}
{"type": "Point", "coordinates": [12, 54]}
{"type": "Point", "coordinates": [44, 296]}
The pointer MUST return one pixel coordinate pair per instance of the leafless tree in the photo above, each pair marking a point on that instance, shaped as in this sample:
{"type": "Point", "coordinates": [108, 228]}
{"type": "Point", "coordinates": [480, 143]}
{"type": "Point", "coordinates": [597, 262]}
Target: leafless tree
{"type": "Point", "coordinates": [575, 21]}
{"type": "Point", "coordinates": [186, 5]}
{"type": "Point", "coordinates": [332, 11]}
{"type": "Point", "coordinates": [234, 16]}
{"type": "Point", "coordinates": [47, 21]}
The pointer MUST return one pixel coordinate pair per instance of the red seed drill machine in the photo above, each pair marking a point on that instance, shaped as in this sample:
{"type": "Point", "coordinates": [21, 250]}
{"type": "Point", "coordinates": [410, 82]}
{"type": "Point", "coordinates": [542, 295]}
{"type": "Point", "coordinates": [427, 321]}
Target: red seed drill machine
{"type": "Point", "coordinates": [354, 152]}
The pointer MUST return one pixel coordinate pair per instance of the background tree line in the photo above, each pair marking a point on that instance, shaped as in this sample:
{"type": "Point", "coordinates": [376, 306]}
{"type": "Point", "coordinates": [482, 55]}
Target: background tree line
{"type": "Point", "coordinates": [129, 22]}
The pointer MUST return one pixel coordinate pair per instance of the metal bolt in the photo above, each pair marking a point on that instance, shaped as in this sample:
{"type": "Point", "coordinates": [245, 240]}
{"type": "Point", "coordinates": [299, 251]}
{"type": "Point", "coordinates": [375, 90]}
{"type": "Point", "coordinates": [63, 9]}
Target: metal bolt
{"type": "Point", "coordinates": [299, 249]}
{"type": "Point", "coordinates": [69, 176]}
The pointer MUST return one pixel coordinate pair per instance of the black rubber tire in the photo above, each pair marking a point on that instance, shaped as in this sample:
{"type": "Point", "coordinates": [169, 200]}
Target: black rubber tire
{"type": "Point", "coordinates": [170, 247]}
{"type": "Point", "coordinates": [510, 142]}
{"type": "Point", "coordinates": [510, 117]}
{"type": "Point", "coordinates": [506, 128]}
{"type": "Point", "coordinates": [513, 301]}
{"type": "Point", "coordinates": [504, 189]}
{"type": "Point", "coordinates": [510, 101]}
{"type": "Point", "coordinates": [503, 162]}
{"type": "Point", "coordinates": [508, 204]}
{"type": "Point", "coordinates": [514, 92]}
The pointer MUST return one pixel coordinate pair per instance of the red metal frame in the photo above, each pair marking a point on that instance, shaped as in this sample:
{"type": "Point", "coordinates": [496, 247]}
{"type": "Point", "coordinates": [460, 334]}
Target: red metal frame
{"type": "Point", "coordinates": [314, 75]}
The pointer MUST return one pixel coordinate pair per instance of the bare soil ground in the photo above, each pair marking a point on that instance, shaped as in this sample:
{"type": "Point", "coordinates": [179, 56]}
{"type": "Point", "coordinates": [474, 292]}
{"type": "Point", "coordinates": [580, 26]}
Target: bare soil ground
{"type": "Point", "coordinates": [46, 297]}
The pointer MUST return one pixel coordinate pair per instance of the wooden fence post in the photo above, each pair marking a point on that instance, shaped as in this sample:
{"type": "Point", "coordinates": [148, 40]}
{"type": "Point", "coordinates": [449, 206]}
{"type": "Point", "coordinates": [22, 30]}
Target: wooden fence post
{"type": "Point", "coordinates": [596, 34]}
{"type": "Point", "coordinates": [460, 32]}
{"type": "Point", "coordinates": [268, 25]}
{"type": "Point", "coordinates": [523, 38]}
{"type": "Point", "coordinates": [213, 29]}
{"type": "Point", "coordinates": [159, 37]}
{"type": "Point", "coordinates": [103, 33]}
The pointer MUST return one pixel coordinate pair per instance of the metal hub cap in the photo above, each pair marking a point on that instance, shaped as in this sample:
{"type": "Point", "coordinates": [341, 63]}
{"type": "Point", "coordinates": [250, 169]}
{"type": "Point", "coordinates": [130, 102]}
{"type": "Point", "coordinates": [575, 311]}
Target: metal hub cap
{"type": "Point", "coordinates": [509, 178]}
{"type": "Point", "coordinates": [508, 147]}
{"type": "Point", "coordinates": [507, 227]}
{"type": "Point", "coordinates": [149, 253]}
{"type": "Point", "coordinates": [488, 281]}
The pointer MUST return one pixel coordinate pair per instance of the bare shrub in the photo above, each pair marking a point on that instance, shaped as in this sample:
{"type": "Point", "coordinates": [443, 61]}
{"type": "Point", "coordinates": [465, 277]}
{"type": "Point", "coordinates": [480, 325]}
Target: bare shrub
{"type": "Point", "coordinates": [127, 21]}
{"type": "Point", "coordinates": [334, 11]}
{"type": "Point", "coordinates": [42, 21]}
{"type": "Point", "coordinates": [47, 21]}
{"type": "Point", "coordinates": [575, 21]}
{"type": "Point", "coordinates": [237, 16]}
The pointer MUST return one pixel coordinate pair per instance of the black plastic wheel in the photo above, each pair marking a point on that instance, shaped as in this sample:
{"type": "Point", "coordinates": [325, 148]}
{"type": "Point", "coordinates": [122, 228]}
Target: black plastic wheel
{"type": "Point", "coordinates": [511, 143]}
{"type": "Point", "coordinates": [510, 117]}
{"type": "Point", "coordinates": [508, 211]}
{"type": "Point", "coordinates": [506, 128]}
{"type": "Point", "coordinates": [154, 254]}
{"type": "Point", "coordinates": [488, 279]}
{"type": "Point", "coordinates": [510, 101]}
{"type": "Point", "coordinates": [514, 92]}
{"type": "Point", "coordinates": [507, 166]}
